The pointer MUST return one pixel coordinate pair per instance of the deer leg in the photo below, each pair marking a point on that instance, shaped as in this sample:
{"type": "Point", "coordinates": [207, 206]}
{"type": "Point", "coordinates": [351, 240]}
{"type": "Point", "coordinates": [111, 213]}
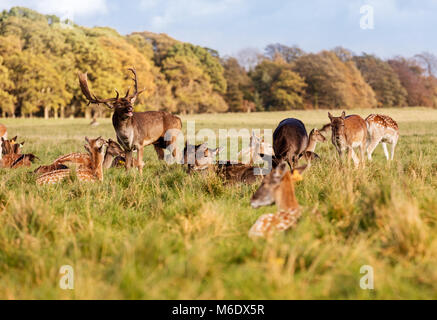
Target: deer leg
{"type": "Point", "coordinates": [384, 146]}
{"type": "Point", "coordinates": [159, 152]}
{"type": "Point", "coordinates": [372, 146]}
{"type": "Point", "coordinates": [354, 157]}
{"type": "Point", "coordinates": [140, 159]}
{"type": "Point", "coordinates": [128, 163]}
{"type": "Point", "coordinates": [393, 148]}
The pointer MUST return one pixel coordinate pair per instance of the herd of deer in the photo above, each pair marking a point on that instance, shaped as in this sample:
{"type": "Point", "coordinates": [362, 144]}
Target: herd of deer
{"type": "Point", "coordinates": [136, 130]}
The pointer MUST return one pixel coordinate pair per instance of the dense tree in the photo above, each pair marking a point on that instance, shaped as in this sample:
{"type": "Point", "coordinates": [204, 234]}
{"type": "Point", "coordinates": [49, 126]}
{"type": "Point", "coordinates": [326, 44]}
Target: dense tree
{"type": "Point", "coordinates": [383, 80]}
{"type": "Point", "coordinates": [279, 86]}
{"type": "Point", "coordinates": [332, 83]}
{"type": "Point", "coordinates": [240, 90]}
{"type": "Point", "coordinates": [420, 89]}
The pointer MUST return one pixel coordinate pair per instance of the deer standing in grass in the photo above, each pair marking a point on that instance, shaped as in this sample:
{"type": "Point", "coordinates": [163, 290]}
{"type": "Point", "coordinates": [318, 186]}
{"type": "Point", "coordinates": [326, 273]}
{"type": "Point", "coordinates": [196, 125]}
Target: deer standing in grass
{"type": "Point", "coordinates": [3, 135]}
{"type": "Point", "coordinates": [277, 187]}
{"type": "Point", "coordinates": [92, 172]}
{"type": "Point", "coordinates": [381, 129]}
{"type": "Point", "coordinates": [348, 133]}
{"type": "Point", "coordinates": [136, 130]}
{"type": "Point", "coordinates": [309, 154]}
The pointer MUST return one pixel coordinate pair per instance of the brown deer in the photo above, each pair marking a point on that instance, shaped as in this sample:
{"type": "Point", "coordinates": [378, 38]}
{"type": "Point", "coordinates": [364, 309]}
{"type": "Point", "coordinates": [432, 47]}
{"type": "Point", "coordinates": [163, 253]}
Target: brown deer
{"type": "Point", "coordinates": [94, 172]}
{"type": "Point", "coordinates": [277, 187]}
{"type": "Point", "coordinates": [115, 157]}
{"type": "Point", "coordinates": [348, 133]}
{"type": "Point", "coordinates": [290, 140]}
{"type": "Point", "coordinates": [256, 147]}
{"type": "Point", "coordinates": [199, 157]}
{"type": "Point", "coordinates": [13, 159]}
{"type": "Point", "coordinates": [50, 168]}
{"type": "Point", "coordinates": [136, 130]}
{"type": "Point", "coordinates": [3, 135]}
{"type": "Point", "coordinates": [309, 155]}
{"type": "Point", "coordinates": [381, 129]}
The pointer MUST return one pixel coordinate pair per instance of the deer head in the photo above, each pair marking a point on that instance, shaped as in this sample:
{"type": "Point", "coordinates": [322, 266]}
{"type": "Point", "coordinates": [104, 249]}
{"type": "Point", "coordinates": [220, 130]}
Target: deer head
{"type": "Point", "coordinates": [337, 124]}
{"type": "Point", "coordinates": [114, 149]}
{"type": "Point", "coordinates": [123, 106]}
{"type": "Point", "coordinates": [95, 146]}
{"type": "Point", "coordinates": [11, 146]}
{"type": "Point", "coordinates": [268, 192]}
{"type": "Point", "coordinates": [316, 136]}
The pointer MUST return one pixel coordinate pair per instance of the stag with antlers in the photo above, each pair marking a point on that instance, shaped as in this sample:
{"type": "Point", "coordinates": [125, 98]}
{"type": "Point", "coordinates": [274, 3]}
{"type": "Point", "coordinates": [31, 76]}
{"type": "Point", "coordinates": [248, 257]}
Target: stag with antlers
{"type": "Point", "coordinates": [136, 130]}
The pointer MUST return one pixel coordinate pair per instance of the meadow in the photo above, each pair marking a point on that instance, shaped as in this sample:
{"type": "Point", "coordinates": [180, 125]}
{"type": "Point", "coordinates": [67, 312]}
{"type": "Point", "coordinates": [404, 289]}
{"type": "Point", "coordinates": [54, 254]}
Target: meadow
{"type": "Point", "coordinates": [170, 235]}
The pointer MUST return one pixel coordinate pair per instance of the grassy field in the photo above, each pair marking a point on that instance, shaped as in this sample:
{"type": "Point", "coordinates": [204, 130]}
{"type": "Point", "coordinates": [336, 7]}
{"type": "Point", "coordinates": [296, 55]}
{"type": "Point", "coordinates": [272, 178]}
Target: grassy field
{"type": "Point", "coordinates": [168, 235]}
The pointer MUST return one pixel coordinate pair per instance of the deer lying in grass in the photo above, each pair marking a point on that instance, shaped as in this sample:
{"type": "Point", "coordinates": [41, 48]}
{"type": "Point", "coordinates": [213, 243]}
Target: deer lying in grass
{"type": "Point", "coordinates": [199, 157]}
{"type": "Point", "coordinates": [309, 155]}
{"type": "Point", "coordinates": [3, 135]}
{"type": "Point", "coordinates": [348, 133]}
{"type": "Point", "coordinates": [381, 129]}
{"type": "Point", "coordinates": [136, 130]}
{"type": "Point", "coordinates": [256, 147]}
{"type": "Point", "coordinates": [290, 140]}
{"type": "Point", "coordinates": [277, 187]}
{"type": "Point", "coordinates": [13, 159]}
{"type": "Point", "coordinates": [93, 172]}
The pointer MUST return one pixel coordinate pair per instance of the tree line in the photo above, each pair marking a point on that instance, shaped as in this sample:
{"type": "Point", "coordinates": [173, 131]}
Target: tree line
{"type": "Point", "coordinates": [41, 55]}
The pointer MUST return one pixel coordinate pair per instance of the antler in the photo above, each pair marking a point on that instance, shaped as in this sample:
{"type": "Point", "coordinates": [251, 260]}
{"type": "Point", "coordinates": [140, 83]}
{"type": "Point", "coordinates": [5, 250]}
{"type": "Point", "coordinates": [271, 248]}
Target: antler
{"type": "Point", "coordinates": [83, 81]}
{"type": "Point", "coordinates": [136, 93]}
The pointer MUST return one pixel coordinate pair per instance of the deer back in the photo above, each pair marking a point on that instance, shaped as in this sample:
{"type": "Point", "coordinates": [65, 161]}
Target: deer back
{"type": "Point", "coordinates": [290, 139]}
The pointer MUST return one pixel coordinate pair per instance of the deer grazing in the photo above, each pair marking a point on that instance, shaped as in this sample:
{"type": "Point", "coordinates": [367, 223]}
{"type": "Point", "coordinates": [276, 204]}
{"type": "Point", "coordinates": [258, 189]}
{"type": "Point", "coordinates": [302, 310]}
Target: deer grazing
{"type": "Point", "coordinates": [348, 133]}
{"type": "Point", "coordinates": [92, 172]}
{"type": "Point", "coordinates": [277, 187]}
{"type": "Point", "coordinates": [381, 129]}
{"type": "Point", "coordinates": [136, 130]}
{"type": "Point", "coordinates": [12, 157]}
{"type": "Point", "coordinates": [309, 155]}
{"type": "Point", "coordinates": [291, 142]}
{"type": "Point", "coordinates": [3, 135]}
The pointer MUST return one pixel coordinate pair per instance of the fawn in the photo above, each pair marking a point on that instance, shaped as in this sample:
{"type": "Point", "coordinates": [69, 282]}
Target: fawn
{"type": "Point", "coordinates": [256, 147]}
{"type": "Point", "coordinates": [309, 154]}
{"type": "Point", "coordinates": [348, 133]}
{"type": "Point", "coordinates": [93, 172]}
{"type": "Point", "coordinates": [381, 129]}
{"type": "Point", "coordinates": [277, 187]}
{"type": "Point", "coordinates": [13, 158]}
{"type": "Point", "coordinates": [3, 135]}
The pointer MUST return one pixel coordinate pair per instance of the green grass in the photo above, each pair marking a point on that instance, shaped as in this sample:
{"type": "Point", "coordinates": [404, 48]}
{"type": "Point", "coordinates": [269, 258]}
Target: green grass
{"type": "Point", "coordinates": [168, 235]}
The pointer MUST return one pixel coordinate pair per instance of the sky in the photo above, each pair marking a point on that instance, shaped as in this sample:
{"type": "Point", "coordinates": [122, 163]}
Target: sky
{"type": "Point", "coordinates": [400, 27]}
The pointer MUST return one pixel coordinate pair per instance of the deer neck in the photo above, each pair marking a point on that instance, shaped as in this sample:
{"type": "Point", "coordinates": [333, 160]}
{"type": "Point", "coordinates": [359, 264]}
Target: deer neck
{"type": "Point", "coordinates": [97, 166]}
{"type": "Point", "coordinates": [284, 195]}
{"type": "Point", "coordinates": [311, 145]}
{"type": "Point", "coordinates": [107, 162]}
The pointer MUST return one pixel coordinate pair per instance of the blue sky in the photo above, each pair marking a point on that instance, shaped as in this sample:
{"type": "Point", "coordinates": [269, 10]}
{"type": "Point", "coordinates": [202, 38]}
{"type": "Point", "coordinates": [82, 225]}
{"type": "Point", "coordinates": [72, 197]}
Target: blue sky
{"type": "Point", "coordinates": [400, 26]}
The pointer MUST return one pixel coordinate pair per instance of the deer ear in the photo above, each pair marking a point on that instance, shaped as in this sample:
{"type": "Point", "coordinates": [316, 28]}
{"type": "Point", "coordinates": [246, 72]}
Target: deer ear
{"type": "Point", "coordinates": [87, 140]}
{"type": "Point", "coordinates": [343, 115]}
{"type": "Point", "coordinates": [330, 116]}
{"type": "Point", "coordinates": [15, 138]}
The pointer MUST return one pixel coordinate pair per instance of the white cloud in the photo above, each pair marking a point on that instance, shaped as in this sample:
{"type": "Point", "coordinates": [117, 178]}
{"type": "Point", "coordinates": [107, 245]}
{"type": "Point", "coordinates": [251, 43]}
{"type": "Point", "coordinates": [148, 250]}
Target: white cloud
{"type": "Point", "coordinates": [167, 12]}
{"type": "Point", "coordinates": [63, 8]}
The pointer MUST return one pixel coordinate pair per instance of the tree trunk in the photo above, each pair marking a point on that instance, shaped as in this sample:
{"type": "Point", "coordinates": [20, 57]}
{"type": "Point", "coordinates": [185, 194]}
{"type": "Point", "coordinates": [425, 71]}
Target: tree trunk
{"type": "Point", "coordinates": [55, 113]}
{"type": "Point", "coordinates": [46, 112]}
{"type": "Point", "coordinates": [87, 113]}
{"type": "Point", "coordinates": [62, 112]}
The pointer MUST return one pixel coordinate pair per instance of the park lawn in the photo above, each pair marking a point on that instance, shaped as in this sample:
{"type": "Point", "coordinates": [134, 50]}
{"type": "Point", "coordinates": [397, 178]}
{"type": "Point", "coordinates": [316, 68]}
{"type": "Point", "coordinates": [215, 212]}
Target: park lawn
{"type": "Point", "coordinates": [169, 235]}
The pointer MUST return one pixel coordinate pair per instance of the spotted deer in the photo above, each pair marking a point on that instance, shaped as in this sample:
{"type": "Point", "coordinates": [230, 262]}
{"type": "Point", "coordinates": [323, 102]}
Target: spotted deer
{"type": "Point", "coordinates": [3, 135]}
{"type": "Point", "coordinates": [348, 133]}
{"type": "Point", "coordinates": [381, 129]}
{"type": "Point", "coordinates": [93, 172]}
{"type": "Point", "coordinates": [277, 187]}
{"type": "Point", "coordinates": [136, 130]}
